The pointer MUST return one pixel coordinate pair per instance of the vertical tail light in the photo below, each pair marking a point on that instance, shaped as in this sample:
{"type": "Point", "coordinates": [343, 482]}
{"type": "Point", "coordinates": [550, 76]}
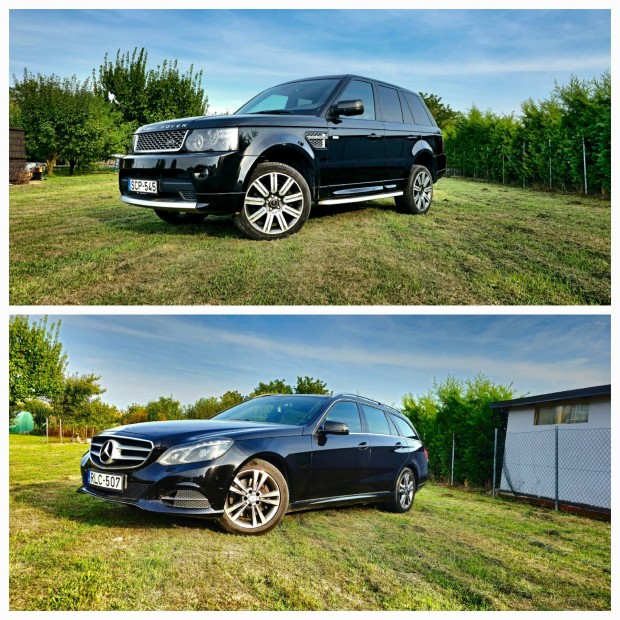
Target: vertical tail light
{"type": "Point", "coordinates": [426, 453]}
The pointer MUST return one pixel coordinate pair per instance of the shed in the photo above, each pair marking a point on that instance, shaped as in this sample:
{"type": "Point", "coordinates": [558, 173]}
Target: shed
{"type": "Point", "coordinates": [17, 155]}
{"type": "Point", "coordinates": [558, 447]}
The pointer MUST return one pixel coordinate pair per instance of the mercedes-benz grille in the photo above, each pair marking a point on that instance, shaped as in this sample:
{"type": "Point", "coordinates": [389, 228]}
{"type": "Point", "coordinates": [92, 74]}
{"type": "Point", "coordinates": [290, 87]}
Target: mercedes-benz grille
{"type": "Point", "coordinates": [119, 452]}
{"type": "Point", "coordinates": [159, 141]}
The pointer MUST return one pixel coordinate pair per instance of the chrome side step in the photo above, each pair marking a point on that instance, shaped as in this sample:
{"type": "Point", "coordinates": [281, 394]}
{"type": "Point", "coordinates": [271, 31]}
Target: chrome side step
{"type": "Point", "coordinates": [339, 201]}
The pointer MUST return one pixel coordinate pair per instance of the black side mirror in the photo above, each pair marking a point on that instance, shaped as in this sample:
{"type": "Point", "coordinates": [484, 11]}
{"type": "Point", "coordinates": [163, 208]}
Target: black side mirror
{"type": "Point", "coordinates": [334, 428]}
{"type": "Point", "coordinates": [354, 107]}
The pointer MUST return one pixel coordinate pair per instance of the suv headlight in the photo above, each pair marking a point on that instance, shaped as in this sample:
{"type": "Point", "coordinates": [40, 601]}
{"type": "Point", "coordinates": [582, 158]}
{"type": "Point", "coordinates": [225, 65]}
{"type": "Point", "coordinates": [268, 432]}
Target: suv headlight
{"type": "Point", "coordinates": [225, 139]}
{"type": "Point", "coordinates": [195, 452]}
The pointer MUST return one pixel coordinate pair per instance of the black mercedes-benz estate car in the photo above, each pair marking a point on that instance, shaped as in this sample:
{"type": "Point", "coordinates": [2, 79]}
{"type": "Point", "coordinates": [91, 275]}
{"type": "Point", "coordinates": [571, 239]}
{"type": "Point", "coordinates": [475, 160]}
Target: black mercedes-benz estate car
{"type": "Point", "coordinates": [323, 140]}
{"type": "Point", "coordinates": [252, 463]}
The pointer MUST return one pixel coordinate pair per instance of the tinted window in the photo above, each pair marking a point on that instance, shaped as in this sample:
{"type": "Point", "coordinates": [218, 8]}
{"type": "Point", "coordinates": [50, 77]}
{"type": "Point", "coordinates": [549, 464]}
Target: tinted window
{"type": "Point", "coordinates": [390, 105]}
{"type": "Point", "coordinates": [417, 109]}
{"type": "Point", "coordinates": [405, 108]}
{"type": "Point", "coordinates": [377, 422]}
{"type": "Point", "coordinates": [348, 413]}
{"type": "Point", "coordinates": [298, 410]}
{"type": "Point", "coordinates": [404, 428]}
{"type": "Point", "coordinates": [356, 89]}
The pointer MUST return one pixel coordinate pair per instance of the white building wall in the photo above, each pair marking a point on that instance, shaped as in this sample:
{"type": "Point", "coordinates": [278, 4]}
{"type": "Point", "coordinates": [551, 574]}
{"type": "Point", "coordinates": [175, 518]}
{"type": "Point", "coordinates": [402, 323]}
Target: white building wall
{"type": "Point", "coordinates": [584, 457]}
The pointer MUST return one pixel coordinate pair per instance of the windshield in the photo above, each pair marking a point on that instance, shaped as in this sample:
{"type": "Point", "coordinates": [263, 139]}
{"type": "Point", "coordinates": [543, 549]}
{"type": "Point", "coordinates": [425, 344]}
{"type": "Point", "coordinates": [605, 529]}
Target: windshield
{"type": "Point", "coordinates": [306, 97]}
{"type": "Point", "coordinates": [296, 410]}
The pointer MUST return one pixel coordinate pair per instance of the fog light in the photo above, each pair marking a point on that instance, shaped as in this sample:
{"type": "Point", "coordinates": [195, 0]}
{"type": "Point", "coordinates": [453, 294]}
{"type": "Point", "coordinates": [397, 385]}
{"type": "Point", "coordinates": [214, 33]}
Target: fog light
{"type": "Point", "coordinates": [201, 172]}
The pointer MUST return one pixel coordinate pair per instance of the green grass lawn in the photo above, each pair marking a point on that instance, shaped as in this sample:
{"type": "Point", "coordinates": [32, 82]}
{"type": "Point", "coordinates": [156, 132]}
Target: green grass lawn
{"type": "Point", "coordinates": [455, 550]}
{"type": "Point", "coordinates": [73, 242]}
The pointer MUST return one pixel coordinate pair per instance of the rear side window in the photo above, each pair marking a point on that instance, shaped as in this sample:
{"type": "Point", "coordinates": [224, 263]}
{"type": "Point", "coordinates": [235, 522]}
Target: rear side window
{"type": "Point", "coordinates": [390, 105]}
{"type": "Point", "coordinates": [347, 413]}
{"type": "Point", "coordinates": [418, 110]}
{"type": "Point", "coordinates": [376, 420]}
{"type": "Point", "coordinates": [356, 89]}
{"type": "Point", "coordinates": [404, 428]}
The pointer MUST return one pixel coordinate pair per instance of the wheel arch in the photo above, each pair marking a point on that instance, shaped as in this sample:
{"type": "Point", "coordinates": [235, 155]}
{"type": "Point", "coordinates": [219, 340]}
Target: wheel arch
{"type": "Point", "coordinates": [423, 156]}
{"type": "Point", "coordinates": [274, 459]}
{"type": "Point", "coordinates": [284, 153]}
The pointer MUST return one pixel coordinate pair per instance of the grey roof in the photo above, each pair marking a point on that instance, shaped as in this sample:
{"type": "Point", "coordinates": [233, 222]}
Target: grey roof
{"type": "Point", "coordinates": [597, 390]}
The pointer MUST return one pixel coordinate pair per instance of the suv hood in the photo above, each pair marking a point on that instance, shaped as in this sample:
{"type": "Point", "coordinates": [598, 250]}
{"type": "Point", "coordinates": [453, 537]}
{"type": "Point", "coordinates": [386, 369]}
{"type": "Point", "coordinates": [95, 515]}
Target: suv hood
{"type": "Point", "coordinates": [173, 432]}
{"type": "Point", "coordinates": [236, 120]}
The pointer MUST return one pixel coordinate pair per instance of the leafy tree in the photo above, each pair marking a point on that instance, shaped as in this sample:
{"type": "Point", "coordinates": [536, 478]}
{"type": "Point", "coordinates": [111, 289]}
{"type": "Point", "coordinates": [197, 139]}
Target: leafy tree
{"type": "Point", "coordinates": [36, 360]}
{"type": "Point", "coordinates": [71, 404]}
{"type": "Point", "coordinates": [460, 409]}
{"type": "Point", "coordinates": [63, 118]}
{"type": "Point", "coordinates": [308, 385]}
{"type": "Point", "coordinates": [101, 415]}
{"type": "Point", "coordinates": [134, 414]}
{"type": "Point", "coordinates": [150, 95]}
{"type": "Point", "coordinates": [230, 399]}
{"type": "Point", "coordinates": [443, 114]}
{"type": "Point", "coordinates": [164, 408]}
{"type": "Point", "coordinates": [203, 408]}
{"type": "Point", "coordinates": [39, 410]}
{"type": "Point", "coordinates": [277, 386]}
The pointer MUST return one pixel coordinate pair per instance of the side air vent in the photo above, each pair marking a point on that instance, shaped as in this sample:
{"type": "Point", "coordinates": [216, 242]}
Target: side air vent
{"type": "Point", "coordinates": [317, 140]}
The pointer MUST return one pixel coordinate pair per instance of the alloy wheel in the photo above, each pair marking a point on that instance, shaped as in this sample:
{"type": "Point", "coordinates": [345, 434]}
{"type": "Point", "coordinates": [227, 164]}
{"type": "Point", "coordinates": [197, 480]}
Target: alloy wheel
{"type": "Point", "coordinates": [406, 488]}
{"type": "Point", "coordinates": [253, 499]}
{"type": "Point", "coordinates": [423, 191]}
{"type": "Point", "coordinates": [273, 203]}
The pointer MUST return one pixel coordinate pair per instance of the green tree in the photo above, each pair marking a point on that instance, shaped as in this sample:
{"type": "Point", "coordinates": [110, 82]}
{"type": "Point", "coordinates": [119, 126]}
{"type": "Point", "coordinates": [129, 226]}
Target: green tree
{"type": "Point", "coordinates": [443, 114]}
{"type": "Point", "coordinates": [203, 408]}
{"type": "Point", "coordinates": [277, 386]}
{"type": "Point", "coordinates": [36, 360]}
{"type": "Point", "coordinates": [63, 118]}
{"type": "Point", "coordinates": [309, 385]}
{"type": "Point", "coordinates": [461, 409]}
{"type": "Point", "coordinates": [71, 404]}
{"type": "Point", "coordinates": [164, 408]}
{"type": "Point", "coordinates": [100, 415]}
{"type": "Point", "coordinates": [134, 414]}
{"type": "Point", "coordinates": [40, 410]}
{"type": "Point", "coordinates": [150, 95]}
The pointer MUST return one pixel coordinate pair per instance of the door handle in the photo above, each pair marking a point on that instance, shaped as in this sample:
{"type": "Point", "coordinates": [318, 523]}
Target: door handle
{"type": "Point", "coordinates": [363, 446]}
{"type": "Point", "coordinates": [398, 445]}
{"type": "Point", "coordinates": [414, 137]}
{"type": "Point", "coordinates": [373, 137]}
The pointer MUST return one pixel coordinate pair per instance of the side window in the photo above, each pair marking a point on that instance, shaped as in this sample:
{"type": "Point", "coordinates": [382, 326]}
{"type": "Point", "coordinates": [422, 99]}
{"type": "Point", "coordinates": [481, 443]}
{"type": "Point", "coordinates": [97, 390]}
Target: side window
{"type": "Point", "coordinates": [356, 89]}
{"type": "Point", "coordinates": [390, 105]}
{"type": "Point", "coordinates": [417, 109]}
{"type": "Point", "coordinates": [376, 420]}
{"type": "Point", "coordinates": [405, 108]}
{"type": "Point", "coordinates": [347, 413]}
{"type": "Point", "coordinates": [404, 428]}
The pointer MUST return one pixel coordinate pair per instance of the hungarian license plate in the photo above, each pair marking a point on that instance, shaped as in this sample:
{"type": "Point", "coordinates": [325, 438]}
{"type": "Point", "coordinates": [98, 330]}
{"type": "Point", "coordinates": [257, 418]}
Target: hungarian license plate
{"type": "Point", "coordinates": [114, 482]}
{"type": "Point", "coordinates": [142, 186]}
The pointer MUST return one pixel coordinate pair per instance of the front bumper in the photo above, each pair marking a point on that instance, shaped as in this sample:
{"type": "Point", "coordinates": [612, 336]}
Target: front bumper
{"type": "Point", "coordinates": [187, 182]}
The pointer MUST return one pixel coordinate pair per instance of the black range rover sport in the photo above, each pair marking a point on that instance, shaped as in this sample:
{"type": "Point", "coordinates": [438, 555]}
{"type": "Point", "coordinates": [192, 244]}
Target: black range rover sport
{"type": "Point", "coordinates": [252, 463]}
{"type": "Point", "coordinates": [326, 140]}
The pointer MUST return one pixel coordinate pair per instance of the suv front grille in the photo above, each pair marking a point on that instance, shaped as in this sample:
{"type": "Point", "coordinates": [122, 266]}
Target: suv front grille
{"type": "Point", "coordinates": [122, 453]}
{"type": "Point", "coordinates": [159, 141]}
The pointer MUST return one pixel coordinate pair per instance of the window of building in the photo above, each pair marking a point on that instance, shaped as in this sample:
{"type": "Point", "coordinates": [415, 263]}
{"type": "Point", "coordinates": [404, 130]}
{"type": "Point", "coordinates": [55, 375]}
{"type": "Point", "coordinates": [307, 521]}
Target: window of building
{"type": "Point", "coordinates": [576, 413]}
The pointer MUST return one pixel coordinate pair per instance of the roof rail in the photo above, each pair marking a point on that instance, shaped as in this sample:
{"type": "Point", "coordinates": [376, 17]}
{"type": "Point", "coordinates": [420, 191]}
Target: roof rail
{"type": "Point", "coordinates": [372, 400]}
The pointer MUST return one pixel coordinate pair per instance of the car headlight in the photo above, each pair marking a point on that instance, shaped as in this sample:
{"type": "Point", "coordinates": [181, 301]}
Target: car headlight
{"type": "Point", "coordinates": [195, 452]}
{"type": "Point", "coordinates": [225, 139]}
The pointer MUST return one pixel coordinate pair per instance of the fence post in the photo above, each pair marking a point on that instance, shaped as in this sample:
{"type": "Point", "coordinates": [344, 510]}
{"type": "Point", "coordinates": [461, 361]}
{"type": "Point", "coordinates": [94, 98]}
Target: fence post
{"type": "Point", "coordinates": [494, 462]}
{"type": "Point", "coordinates": [523, 165]}
{"type": "Point", "coordinates": [557, 474]}
{"type": "Point", "coordinates": [47, 430]}
{"type": "Point", "coordinates": [503, 171]}
{"type": "Point", "coordinates": [585, 169]}
{"type": "Point", "coordinates": [60, 420]}
{"type": "Point", "coordinates": [452, 470]}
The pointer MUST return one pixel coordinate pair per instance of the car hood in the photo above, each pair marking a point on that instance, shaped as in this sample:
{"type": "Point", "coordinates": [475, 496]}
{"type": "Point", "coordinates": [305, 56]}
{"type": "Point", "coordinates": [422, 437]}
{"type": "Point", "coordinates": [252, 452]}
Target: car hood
{"type": "Point", "coordinates": [236, 120]}
{"type": "Point", "coordinates": [173, 432]}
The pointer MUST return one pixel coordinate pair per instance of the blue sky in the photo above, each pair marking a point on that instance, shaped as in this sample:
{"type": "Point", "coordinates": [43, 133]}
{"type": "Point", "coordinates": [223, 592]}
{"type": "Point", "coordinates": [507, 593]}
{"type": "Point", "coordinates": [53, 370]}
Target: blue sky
{"type": "Point", "coordinates": [494, 58]}
{"type": "Point", "coordinates": [142, 357]}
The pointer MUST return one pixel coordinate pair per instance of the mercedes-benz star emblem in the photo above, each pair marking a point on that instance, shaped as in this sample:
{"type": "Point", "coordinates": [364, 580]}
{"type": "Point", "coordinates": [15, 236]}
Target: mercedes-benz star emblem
{"type": "Point", "coordinates": [107, 451]}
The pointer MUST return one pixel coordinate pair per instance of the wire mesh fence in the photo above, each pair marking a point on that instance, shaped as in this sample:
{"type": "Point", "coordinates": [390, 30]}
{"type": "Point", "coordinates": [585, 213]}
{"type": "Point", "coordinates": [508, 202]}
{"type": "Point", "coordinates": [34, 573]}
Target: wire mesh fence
{"type": "Point", "coordinates": [565, 465]}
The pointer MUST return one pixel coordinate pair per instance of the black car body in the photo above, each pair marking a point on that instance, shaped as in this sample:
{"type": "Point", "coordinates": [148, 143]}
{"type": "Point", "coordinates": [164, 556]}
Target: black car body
{"type": "Point", "coordinates": [348, 138]}
{"type": "Point", "coordinates": [315, 450]}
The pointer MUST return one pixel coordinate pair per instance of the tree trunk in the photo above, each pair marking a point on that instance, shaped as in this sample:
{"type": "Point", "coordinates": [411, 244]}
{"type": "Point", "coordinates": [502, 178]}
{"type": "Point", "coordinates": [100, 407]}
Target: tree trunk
{"type": "Point", "coordinates": [51, 162]}
{"type": "Point", "coordinates": [72, 164]}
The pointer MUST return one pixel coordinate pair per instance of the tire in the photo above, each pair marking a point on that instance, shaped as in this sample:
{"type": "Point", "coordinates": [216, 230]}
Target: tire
{"type": "Point", "coordinates": [276, 203]}
{"type": "Point", "coordinates": [404, 490]}
{"type": "Point", "coordinates": [418, 194]}
{"type": "Point", "coordinates": [256, 501]}
{"type": "Point", "coordinates": [180, 217]}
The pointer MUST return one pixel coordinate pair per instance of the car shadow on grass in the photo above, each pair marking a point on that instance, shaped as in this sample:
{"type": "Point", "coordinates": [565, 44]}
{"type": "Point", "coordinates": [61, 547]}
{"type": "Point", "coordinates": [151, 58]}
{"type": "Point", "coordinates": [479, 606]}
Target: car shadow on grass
{"type": "Point", "coordinates": [61, 500]}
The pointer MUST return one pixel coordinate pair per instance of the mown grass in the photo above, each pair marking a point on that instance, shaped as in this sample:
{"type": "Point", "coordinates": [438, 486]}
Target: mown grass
{"type": "Point", "coordinates": [455, 550]}
{"type": "Point", "coordinates": [73, 242]}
